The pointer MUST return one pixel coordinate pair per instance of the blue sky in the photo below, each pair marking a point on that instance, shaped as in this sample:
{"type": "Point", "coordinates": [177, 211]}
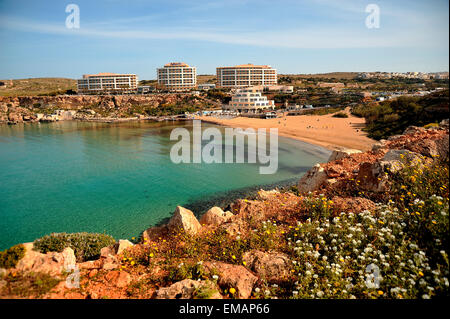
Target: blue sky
{"type": "Point", "coordinates": [294, 36]}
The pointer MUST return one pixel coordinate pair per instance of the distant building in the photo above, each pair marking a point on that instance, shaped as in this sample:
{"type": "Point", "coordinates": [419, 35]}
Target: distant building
{"type": "Point", "coordinates": [275, 88]}
{"type": "Point", "coordinates": [145, 89]}
{"type": "Point", "coordinates": [177, 76]}
{"type": "Point", "coordinates": [246, 75]}
{"type": "Point", "coordinates": [249, 100]}
{"type": "Point", "coordinates": [107, 83]}
{"type": "Point", "coordinates": [206, 86]}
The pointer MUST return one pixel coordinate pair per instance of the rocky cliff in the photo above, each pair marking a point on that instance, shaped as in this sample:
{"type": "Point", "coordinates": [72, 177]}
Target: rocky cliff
{"type": "Point", "coordinates": [25, 108]}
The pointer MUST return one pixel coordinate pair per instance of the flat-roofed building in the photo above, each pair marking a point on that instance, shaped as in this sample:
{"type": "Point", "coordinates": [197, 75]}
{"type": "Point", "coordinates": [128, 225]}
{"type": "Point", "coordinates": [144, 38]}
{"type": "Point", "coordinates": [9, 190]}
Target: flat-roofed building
{"type": "Point", "coordinates": [246, 75]}
{"type": "Point", "coordinates": [206, 86]}
{"type": "Point", "coordinates": [177, 76]}
{"type": "Point", "coordinates": [249, 100]}
{"type": "Point", "coordinates": [107, 83]}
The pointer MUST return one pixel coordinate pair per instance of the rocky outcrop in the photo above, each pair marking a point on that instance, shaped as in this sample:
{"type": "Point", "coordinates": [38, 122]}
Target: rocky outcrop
{"type": "Point", "coordinates": [233, 276]}
{"type": "Point", "coordinates": [352, 204]}
{"type": "Point", "coordinates": [417, 146]}
{"type": "Point", "coordinates": [265, 195]}
{"type": "Point", "coordinates": [313, 179]}
{"type": "Point", "coordinates": [14, 109]}
{"type": "Point", "coordinates": [52, 262]}
{"type": "Point", "coordinates": [116, 249]}
{"type": "Point", "coordinates": [270, 266]}
{"type": "Point", "coordinates": [215, 216]}
{"type": "Point", "coordinates": [188, 289]}
{"type": "Point", "coordinates": [340, 154]}
{"type": "Point", "coordinates": [184, 219]}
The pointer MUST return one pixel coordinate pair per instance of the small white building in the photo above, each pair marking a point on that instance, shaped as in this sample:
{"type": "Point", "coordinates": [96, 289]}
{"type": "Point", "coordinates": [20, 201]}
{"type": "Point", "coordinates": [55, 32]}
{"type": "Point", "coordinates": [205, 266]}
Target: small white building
{"type": "Point", "coordinates": [206, 86]}
{"type": "Point", "coordinates": [249, 100]}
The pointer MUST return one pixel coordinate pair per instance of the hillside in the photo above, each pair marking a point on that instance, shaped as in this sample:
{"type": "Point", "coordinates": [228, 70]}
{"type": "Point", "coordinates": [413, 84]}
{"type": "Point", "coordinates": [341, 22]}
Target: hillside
{"type": "Point", "coordinates": [331, 75]}
{"type": "Point", "coordinates": [394, 116]}
{"type": "Point", "coordinates": [36, 86]}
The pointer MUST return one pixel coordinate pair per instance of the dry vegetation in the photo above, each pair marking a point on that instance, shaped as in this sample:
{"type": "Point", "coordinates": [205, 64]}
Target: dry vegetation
{"type": "Point", "coordinates": [36, 86]}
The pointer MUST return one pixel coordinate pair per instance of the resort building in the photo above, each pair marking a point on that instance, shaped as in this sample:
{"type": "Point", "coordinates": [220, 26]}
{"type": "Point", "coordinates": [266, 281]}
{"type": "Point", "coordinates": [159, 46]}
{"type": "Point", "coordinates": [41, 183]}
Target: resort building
{"type": "Point", "coordinates": [249, 100]}
{"type": "Point", "coordinates": [246, 75]}
{"type": "Point", "coordinates": [177, 76]}
{"type": "Point", "coordinates": [107, 83]}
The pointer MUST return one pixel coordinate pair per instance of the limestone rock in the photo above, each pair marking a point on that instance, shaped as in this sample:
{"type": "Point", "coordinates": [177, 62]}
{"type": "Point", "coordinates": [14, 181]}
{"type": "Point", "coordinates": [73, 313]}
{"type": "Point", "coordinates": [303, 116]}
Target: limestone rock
{"type": "Point", "coordinates": [340, 154]}
{"type": "Point", "coordinates": [184, 218]}
{"type": "Point", "coordinates": [265, 195]}
{"type": "Point", "coordinates": [186, 289]}
{"type": "Point", "coordinates": [123, 245]}
{"type": "Point", "coordinates": [215, 216]}
{"type": "Point", "coordinates": [233, 276]}
{"type": "Point", "coordinates": [352, 204]}
{"type": "Point", "coordinates": [53, 263]}
{"type": "Point", "coordinates": [313, 179]}
{"type": "Point", "coordinates": [270, 266]}
{"type": "Point", "coordinates": [154, 233]}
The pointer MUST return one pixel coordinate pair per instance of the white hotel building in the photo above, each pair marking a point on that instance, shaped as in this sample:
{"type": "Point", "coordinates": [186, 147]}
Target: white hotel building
{"type": "Point", "coordinates": [107, 83]}
{"type": "Point", "coordinates": [177, 76]}
{"type": "Point", "coordinates": [246, 75]}
{"type": "Point", "coordinates": [249, 100]}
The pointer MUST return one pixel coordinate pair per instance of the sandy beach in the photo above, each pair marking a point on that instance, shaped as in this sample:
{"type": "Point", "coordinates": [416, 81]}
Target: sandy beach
{"type": "Point", "coordinates": [324, 130]}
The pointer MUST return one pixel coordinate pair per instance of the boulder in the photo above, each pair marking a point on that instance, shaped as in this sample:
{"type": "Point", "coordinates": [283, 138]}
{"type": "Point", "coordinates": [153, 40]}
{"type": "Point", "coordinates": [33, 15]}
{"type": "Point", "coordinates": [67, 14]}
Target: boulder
{"type": "Point", "coordinates": [235, 227]}
{"type": "Point", "coordinates": [340, 154]}
{"type": "Point", "coordinates": [53, 263]}
{"type": "Point", "coordinates": [184, 219]}
{"type": "Point", "coordinates": [432, 147]}
{"type": "Point", "coordinates": [116, 249]}
{"type": "Point", "coordinates": [371, 177]}
{"type": "Point", "coordinates": [215, 216]}
{"type": "Point", "coordinates": [122, 245]}
{"type": "Point", "coordinates": [270, 266]}
{"type": "Point", "coordinates": [110, 263]}
{"type": "Point", "coordinates": [414, 130]}
{"type": "Point", "coordinates": [352, 204]}
{"type": "Point", "coordinates": [153, 233]}
{"type": "Point", "coordinates": [313, 179]}
{"type": "Point", "coordinates": [187, 289]}
{"type": "Point", "coordinates": [265, 195]}
{"type": "Point", "coordinates": [233, 276]}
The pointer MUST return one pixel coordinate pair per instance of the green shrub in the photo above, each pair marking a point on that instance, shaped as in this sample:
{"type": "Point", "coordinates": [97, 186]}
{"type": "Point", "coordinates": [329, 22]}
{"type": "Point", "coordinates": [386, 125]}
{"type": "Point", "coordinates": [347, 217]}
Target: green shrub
{"type": "Point", "coordinates": [186, 271]}
{"type": "Point", "coordinates": [11, 256]}
{"type": "Point", "coordinates": [86, 246]}
{"type": "Point", "coordinates": [340, 115]}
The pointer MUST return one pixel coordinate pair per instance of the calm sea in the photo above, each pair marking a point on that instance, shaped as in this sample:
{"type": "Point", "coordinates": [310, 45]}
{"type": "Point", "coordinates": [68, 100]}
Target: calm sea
{"type": "Point", "coordinates": [116, 178]}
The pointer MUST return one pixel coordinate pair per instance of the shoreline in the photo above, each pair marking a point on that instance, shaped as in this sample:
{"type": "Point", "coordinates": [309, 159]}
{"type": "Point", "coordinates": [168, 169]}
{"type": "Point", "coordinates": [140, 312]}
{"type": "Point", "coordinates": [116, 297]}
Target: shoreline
{"type": "Point", "coordinates": [322, 130]}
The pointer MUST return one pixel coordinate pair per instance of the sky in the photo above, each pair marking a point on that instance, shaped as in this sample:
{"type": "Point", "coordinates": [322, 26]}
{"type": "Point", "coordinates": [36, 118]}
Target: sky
{"type": "Point", "coordinates": [293, 36]}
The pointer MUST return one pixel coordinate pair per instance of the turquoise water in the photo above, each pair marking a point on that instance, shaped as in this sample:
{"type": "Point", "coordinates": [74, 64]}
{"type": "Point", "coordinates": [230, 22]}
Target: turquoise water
{"type": "Point", "coordinates": [113, 178]}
